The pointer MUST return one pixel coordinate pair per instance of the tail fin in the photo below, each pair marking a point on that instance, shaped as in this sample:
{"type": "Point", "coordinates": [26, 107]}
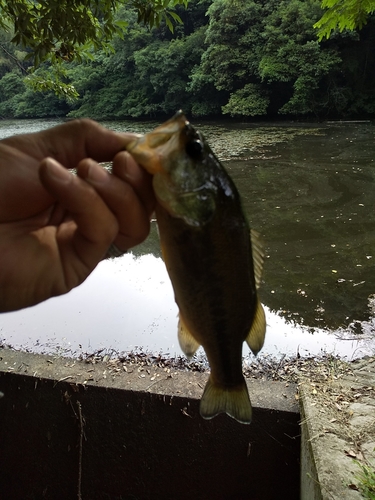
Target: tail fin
{"type": "Point", "coordinates": [233, 401]}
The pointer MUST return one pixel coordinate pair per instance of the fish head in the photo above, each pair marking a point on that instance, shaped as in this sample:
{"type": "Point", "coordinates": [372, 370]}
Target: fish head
{"type": "Point", "coordinates": [177, 156]}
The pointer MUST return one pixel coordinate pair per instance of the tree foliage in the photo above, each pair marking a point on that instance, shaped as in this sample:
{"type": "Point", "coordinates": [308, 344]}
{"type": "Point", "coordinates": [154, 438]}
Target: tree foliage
{"type": "Point", "coordinates": [247, 58]}
{"type": "Point", "coordinates": [294, 57]}
{"type": "Point", "coordinates": [257, 50]}
{"type": "Point", "coordinates": [343, 14]}
{"type": "Point", "coordinates": [64, 29]}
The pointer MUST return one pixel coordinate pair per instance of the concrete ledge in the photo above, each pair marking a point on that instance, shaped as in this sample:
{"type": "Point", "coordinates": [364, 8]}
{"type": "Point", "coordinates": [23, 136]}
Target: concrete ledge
{"type": "Point", "coordinates": [69, 429]}
{"type": "Point", "coordinates": [338, 430]}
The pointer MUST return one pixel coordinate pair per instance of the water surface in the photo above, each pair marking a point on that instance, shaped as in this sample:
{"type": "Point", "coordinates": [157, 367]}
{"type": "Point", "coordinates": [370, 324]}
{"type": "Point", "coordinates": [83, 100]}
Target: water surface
{"type": "Point", "coordinates": [307, 189]}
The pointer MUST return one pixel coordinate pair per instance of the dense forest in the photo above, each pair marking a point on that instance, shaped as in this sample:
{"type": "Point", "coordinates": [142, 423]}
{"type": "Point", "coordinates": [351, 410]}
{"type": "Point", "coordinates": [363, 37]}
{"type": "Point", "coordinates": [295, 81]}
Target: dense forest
{"type": "Point", "coordinates": [250, 58]}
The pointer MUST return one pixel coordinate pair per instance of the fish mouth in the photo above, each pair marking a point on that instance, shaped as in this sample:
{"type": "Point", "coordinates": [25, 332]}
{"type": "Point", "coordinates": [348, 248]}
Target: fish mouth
{"type": "Point", "coordinates": [149, 150]}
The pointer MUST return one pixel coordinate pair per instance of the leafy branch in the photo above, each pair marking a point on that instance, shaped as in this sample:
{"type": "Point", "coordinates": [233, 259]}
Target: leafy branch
{"type": "Point", "coordinates": [63, 30]}
{"type": "Point", "coordinates": [343, 14]}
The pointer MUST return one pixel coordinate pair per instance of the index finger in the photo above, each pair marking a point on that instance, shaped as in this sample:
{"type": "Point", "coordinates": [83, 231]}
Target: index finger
{"type": "Point", "coordinates": [71, 142]}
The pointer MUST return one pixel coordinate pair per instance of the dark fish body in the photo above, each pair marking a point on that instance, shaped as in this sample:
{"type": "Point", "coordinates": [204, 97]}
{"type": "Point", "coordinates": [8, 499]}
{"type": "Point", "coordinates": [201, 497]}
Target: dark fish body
{"type": "Point", "coordinates": [207, 248]}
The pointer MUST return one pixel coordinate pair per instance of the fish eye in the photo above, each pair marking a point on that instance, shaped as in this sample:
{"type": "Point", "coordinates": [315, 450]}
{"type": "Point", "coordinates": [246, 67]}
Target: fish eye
{"type": "Point", "coordinates": [194, 148]}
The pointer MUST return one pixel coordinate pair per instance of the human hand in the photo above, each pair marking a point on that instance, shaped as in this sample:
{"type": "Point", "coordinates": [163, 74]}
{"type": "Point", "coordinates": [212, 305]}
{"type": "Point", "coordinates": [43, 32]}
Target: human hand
{"type": "Point", "coordinates": [55, 227]}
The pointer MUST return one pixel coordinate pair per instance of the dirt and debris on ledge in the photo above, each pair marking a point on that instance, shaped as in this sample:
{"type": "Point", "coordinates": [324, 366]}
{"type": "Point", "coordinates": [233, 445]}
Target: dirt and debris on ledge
{"type": "Point", "coordinates": [264, 367]}
{"type": "Point", "coordinates": [318, 369]}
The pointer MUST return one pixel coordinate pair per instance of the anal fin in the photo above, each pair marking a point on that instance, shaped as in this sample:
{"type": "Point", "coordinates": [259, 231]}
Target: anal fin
{"type": "Point", "coordinates": [234, 401]}
{"type": "Point", "coordinates": [186, 340]}
{"type": "Point", "coordinates": [255, 338]}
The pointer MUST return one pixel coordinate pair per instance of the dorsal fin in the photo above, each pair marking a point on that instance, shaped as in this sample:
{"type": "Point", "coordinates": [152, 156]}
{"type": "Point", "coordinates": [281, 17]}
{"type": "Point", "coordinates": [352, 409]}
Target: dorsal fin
{"type": "Point", "coordinates": [257, 246]}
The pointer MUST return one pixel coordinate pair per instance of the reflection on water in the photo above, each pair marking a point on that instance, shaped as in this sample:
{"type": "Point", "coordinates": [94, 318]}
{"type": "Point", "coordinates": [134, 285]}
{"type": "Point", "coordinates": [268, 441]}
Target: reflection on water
{"type": "Point", "coordinates": [307, 189]}
{"type": "Point", "coordinates": [314, 205]}
{"type": "Point", "coordinates": [128, 303]}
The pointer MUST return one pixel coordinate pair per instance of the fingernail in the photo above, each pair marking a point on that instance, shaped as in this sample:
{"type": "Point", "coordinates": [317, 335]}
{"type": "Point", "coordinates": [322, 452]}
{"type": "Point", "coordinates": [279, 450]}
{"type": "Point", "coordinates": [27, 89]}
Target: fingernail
{"type": "Point", "coordinates": [96, 173]}
{"type": "Point", "coordinates": [57, 172]}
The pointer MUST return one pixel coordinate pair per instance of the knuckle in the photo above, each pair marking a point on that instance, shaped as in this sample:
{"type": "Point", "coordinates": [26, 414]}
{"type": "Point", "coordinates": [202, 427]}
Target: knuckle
{"type": "Point", "coordinates": [86, 123]}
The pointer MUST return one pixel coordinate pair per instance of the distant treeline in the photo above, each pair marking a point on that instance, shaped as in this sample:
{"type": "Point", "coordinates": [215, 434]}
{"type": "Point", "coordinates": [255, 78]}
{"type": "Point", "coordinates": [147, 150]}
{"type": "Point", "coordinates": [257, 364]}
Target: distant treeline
{"type": "Point", "coordinates": [236, 58]}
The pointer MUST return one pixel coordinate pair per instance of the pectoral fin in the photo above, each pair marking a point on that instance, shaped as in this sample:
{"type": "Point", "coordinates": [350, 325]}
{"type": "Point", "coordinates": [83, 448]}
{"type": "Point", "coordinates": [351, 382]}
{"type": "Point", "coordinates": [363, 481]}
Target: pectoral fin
{"type": "Point", "coordinates": [234, 401]}
{"type": "Point", "coordinates": [187, 342]}
{"type": "Point", "coordinates": [255, 339]}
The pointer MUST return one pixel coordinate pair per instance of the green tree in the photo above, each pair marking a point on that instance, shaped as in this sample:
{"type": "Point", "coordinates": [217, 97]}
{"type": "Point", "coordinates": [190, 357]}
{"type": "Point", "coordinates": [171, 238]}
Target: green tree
{"type": "Point", "coordinates": [11, 56]}
{"type": "Point", "coordinates": [251, 100]}
{"type": "Point", "coordinates": [343, 14]}
{"type": "Point", "coordinates": [228, 68]}
{"type": "Point", "coordinates": [294, 60]}
{"type": "Point", "coordinates": [351, 85]}
{"type": "Point", "coordinates": [11, 87]}
{"type": "Point", "coordinates": [149, 73]}
{"type": "Point", "coordinates": [265, 57]}
{"type": "Point", "coordinates": [244, 58]}
{"type": "Point", "coordinates": [64, 30]}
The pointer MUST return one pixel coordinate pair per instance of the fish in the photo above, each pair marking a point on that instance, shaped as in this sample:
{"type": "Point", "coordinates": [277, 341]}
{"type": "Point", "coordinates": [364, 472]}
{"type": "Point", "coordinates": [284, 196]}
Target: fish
{"type": "Point", "coordinates": [212, 257]}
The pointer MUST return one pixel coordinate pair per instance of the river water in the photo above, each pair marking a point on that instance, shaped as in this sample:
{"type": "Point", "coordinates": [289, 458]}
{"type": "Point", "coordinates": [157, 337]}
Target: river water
{"type": "Point", "coordinates": [308, 189]}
